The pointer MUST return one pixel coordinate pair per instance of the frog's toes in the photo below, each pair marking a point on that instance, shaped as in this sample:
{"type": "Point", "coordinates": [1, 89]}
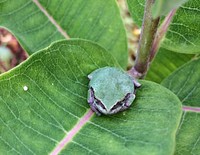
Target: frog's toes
{"type": "Point", "coordinates": [89, 76]}
{"type": "Point", "coordinates": [136, 83]}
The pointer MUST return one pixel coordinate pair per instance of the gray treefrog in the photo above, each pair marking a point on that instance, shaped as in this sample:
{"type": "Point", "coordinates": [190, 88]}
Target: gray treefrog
{"type": "Point", "coordinates": [111, 90]}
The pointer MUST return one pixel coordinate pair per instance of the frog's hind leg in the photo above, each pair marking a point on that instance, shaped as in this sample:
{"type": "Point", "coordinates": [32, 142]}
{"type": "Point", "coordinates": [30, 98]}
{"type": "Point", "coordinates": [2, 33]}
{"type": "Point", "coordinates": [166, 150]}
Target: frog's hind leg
{"type": "Point", "coordinates": [91, 102]}
{"type": "Point", "coordinates": [127, 101]}
{"type": "Point", "coordinates": [95, 109]}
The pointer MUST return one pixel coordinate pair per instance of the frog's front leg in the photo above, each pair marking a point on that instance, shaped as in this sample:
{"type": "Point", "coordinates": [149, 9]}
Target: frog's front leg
{"type": "Point", "coordinates": [136, 83]}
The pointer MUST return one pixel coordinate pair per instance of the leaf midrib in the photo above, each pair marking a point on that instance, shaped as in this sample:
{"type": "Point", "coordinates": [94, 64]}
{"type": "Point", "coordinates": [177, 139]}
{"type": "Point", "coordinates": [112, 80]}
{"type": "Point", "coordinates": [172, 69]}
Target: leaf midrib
{"type": "Point", "coordinates": [51, 19]}
{"type": "Point", "coordinates": [69, 136]}
{"type": "Point", "coordinates": [191, 109]}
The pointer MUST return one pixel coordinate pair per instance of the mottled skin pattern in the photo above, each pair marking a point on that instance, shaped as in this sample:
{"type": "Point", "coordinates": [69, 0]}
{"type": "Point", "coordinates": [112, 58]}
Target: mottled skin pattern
{"type": "Point", "coordinates": [122, 104]}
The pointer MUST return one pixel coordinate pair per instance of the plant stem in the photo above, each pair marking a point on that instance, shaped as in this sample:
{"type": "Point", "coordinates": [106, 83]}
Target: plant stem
{"type": "Point", "coordinates": [149, 29]}
{"type": "Point", "coordinates": [161, 33]}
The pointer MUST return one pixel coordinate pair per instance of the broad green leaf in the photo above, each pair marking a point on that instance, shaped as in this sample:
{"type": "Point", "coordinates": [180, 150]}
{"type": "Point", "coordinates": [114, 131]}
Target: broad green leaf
{"type": "Point", "coordinates": [187, 139]}
{"type": "Point", "coordinates": [43, 108]}
{"type": "Point", "coordinates": [184, 32]}
{"type": "Point", "coordinates": [183, 35]}
{"type": "Point", "coordinates": [185, 83]}
{"type": "Point", "coordinates": [36, 24]}
{"type": "Point", "coordinates": [165, 63]}
{"type": "Point", "coordinates": [136, 9]}
{"type": "Point", "coordinates": [163, 7]}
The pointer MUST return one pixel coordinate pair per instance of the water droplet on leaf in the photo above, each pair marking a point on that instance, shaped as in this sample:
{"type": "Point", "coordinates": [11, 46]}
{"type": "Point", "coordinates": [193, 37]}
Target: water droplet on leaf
{"type": "Point", "coordinates": [25, 88]}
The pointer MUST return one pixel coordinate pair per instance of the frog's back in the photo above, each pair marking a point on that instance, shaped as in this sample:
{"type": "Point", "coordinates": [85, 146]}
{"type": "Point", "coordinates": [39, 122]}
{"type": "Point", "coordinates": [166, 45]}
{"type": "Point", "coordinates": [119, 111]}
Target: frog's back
{"type": "Point", "coordinates": [111, 85]}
